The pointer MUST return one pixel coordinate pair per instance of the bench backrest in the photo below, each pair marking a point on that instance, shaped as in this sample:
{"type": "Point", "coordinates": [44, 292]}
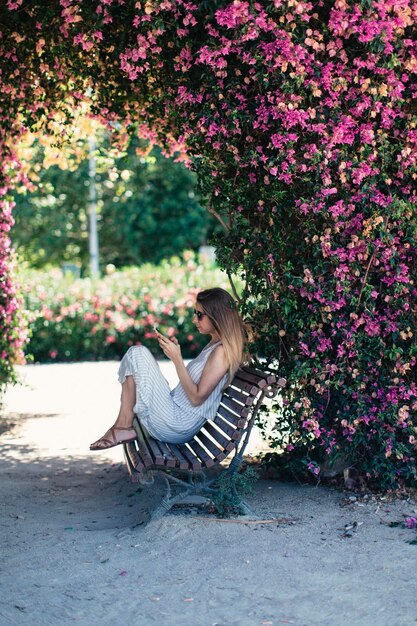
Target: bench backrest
{"type": "Point", "coordinates": [234, 419]}
{"type": "Point", "coordinates": [236, 414]}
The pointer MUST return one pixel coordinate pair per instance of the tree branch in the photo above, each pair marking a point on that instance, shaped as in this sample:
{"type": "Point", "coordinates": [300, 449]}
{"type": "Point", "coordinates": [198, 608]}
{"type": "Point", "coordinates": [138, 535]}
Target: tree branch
{"type": "Point", "coordinates": [364, 279]}
{"type": "Point", "coordinates": [216, 215]}
{"type": "Point", "coordinates": [233, 287]}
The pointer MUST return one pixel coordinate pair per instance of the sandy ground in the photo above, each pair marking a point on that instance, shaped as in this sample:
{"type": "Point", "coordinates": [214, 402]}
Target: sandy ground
{"type": "Point", "coordinates": [75, 548]}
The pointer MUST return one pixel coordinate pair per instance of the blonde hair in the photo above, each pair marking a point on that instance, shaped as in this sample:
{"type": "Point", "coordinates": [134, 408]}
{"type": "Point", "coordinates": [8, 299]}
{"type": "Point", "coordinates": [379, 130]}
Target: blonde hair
{"type": "Point", "coordinates": [220, 307]}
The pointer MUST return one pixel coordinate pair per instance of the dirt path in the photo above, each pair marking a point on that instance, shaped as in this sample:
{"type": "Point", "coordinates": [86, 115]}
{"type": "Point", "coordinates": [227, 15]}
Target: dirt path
{"type": "Point", "coordinates": [76, 550]}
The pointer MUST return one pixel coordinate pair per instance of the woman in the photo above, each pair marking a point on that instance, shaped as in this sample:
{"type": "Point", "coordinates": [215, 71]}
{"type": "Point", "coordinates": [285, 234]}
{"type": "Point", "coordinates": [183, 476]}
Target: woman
{"type": "Point", "coordinates": [176, 416]}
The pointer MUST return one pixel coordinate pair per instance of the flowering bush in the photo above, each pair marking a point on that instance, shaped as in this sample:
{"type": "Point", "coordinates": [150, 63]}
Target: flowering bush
{"type": "Point", "coordinates": [13, 321]}
{"type": "Point", "coordinates": [300, 120]}
{"type": "Point", "coordinates": [83, 319]}
{"type": "Point", "coordinates": [408, 522]}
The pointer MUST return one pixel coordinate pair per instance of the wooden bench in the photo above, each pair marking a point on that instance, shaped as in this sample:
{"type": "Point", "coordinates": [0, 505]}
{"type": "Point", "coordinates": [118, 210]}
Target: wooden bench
{"type": "Point", "coordinates": [227, 433]}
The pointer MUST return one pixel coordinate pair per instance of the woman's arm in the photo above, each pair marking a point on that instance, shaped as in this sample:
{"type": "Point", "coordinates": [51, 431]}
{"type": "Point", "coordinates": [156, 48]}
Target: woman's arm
{"type": "Point", "coordinates": [214, 370]}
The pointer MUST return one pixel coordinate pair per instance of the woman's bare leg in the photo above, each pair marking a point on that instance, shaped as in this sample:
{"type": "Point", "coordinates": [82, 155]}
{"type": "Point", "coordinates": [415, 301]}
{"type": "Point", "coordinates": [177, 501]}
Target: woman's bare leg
{"type": "Point", "coordinates": [122, 429]}
{"type": "Point", "coordinates": [127, 402]}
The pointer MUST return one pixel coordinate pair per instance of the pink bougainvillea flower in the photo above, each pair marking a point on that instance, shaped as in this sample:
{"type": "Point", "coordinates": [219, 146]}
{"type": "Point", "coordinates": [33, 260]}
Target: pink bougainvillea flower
{"type": "Point", "coordinates": [411, 522]}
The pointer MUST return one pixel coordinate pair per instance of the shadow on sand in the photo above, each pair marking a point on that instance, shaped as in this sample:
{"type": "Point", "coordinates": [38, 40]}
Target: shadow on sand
{"type": "Point", "coordinates": [76, 492]}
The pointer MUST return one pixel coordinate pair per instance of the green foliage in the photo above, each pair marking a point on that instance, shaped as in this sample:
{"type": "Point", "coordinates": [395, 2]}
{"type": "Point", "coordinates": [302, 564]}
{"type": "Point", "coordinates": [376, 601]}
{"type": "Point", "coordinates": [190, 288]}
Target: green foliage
{"type": "Point", "coordinates": [14, 320]}
{"type": "Point", "coordinates": [231, 488]}
{"type": "Point", "coordinates": [147, 209]}
{"type": "Point", "coordinates": [96, 319]}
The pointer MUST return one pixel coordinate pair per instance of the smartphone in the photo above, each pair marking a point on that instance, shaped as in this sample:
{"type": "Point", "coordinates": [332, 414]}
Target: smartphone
{"type": "Point", "coordinates": [156, 329]}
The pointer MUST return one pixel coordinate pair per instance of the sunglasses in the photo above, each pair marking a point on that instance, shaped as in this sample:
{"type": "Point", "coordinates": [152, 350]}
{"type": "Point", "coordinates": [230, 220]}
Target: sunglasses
{"type": "Point", "coordinates": [199, 314]}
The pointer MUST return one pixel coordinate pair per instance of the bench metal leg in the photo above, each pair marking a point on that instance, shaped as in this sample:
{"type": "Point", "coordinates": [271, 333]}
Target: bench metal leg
{"type": "Point", "coordinates": [244, 509]}
{"type": "Point", "coordinates": [168, 502]}
{"type": "Point", "coordinates": [232, 471]}
{"type": "Point", "coordinates": [190, 487]}
{"type": "Point", "coordinates": [197, 484]}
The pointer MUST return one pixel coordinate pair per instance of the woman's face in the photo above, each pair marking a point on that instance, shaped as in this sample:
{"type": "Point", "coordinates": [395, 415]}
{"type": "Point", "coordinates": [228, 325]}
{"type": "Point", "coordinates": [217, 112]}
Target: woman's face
{"type": "Point", "coordinates": [202, 321]}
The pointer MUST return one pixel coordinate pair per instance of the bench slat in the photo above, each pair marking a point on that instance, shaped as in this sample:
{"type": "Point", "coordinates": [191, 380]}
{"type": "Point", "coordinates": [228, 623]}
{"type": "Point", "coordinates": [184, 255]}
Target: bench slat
{"type": "Point", "coordinates": [134, 475]}
{"type": "Point", "coordinates": [143, 449]}
{"type": "Point", "coordinates": [169, 459]}
{"type": "Point", "coordinates": [182, 462]}
{"type": "Point", "coordinates": [196, 447]}
{"type": "Point", "coordinates": [239, 396]}
{"type": "Point", "coordinates": [242, 411]}
{"type": "Point", "coordinates": [243, 385]}
{"type": "Point", "coordinates": [269, 377]}
{"type": "Point", "coordinates": [251, 378]}
{"type": "Point", "coordinates": [133, 460]}
{"type": "Point", "coordinates": [226, 428]}
{"type": "Point", "coordinates": [211, 446]}
{"type": "Point", "coordinates": [193, 460]}
{"type": "Point", "coordinates": [158, 457]}
{"type": "Point", "coordinates": [220, 437]}
{"type": "Point", "coordinates": [236, 420]}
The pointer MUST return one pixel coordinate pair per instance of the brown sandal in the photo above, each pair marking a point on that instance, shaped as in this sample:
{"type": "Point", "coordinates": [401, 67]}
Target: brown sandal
{"type": "Point", "coordinates": [110, 439]}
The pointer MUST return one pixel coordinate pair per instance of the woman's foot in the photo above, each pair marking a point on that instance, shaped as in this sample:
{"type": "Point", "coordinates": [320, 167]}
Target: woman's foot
{"type": "Point", "coordinates": [114, 437]}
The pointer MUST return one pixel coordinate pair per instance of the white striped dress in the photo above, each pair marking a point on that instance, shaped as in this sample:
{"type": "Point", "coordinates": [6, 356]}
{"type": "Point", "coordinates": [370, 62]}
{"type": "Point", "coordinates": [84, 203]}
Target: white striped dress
{"type": "Point", "coordinates": [167, 414]}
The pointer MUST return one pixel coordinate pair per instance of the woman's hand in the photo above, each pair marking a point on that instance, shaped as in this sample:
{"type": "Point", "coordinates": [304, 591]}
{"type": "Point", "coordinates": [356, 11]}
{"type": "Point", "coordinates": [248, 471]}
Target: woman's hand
{"type": "Point", "coordinates": [170, 347]}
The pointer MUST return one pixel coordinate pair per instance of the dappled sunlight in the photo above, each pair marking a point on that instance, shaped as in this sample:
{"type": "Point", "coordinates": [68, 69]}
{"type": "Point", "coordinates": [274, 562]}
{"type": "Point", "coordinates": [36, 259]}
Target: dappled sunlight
{"type": "Point", "coordinates": [56, 412]}
{"type": "Point", "coordinates": [53, 481]}
{"type": "Point", "coordinates": [77, 529]}
{"type": "Point", "coordinates": [63, 435]}
{"type": "Point", "coordinates": [59, 409]}
{"type": "Point", "coordinates": [52, 417]}
{"type": "Point", "coordinates": [84, 397]}
{"type": "Point", "coordinates": [64, 438]}
{"type": "Point", "coordinates": [68, 494]}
